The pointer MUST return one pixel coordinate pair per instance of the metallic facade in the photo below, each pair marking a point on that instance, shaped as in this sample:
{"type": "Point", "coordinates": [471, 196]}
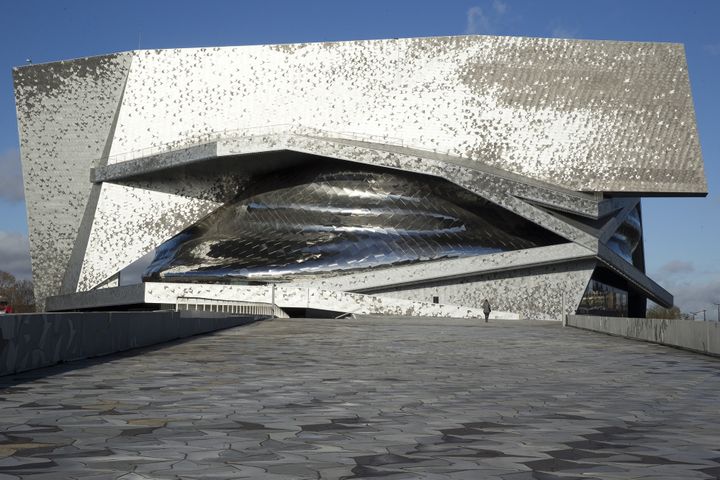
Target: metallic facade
{"type": "Point", "coordinates": [121, 153]}
{"type": "Point", "coordinates": [330, 219]}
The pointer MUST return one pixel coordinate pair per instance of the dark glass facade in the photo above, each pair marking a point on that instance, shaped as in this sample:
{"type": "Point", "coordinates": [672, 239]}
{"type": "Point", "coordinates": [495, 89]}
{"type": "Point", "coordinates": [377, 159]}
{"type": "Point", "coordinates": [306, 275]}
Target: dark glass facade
{"type": "Point", "coordinates": [604, 300]}
{"type": "Point", "coordinates": [628, 236]}
{"type": "Point", "coordinates": [330, 217]}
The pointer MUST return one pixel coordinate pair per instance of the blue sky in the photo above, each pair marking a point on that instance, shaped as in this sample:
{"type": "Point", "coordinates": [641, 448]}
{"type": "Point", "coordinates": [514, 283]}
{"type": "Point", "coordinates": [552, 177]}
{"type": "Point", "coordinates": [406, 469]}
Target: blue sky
{"type": "Point", "coordinates": [681, 234]}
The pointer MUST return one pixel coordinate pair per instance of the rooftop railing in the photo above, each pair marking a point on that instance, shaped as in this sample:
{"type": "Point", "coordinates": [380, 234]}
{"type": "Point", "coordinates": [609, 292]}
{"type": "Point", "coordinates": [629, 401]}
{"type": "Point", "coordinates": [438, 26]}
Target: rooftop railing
{"type": "Point", "coordinates": [287, 128]}
{"type": "Point", "coordinates": [249, 132]}
{"type": "Point", "coordinates": [233, 307]}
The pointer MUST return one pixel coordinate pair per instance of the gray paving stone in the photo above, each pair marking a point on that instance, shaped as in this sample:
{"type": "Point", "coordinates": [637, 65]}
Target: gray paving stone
{"type": "Point", "coordinates": [289, 399]}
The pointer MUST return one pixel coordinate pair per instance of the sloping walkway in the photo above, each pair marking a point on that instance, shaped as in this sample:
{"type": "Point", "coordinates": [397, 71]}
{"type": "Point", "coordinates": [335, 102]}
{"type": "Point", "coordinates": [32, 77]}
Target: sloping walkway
{"type": "Point", "coordinates": [391, 398]}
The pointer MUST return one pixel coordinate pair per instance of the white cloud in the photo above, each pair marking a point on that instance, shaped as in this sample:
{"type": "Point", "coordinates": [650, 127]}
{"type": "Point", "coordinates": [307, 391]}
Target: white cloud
{"type": "Point", "coordinates": [696, 296]}
{"type": "Point", "coordinates": [677, 266]}
{"type": "Point", "coordinates": [693, 289]}
{"type": "Point", "coordinates": [11, 185]}
{"type": "Point", "coordinates": [561, 31]}
{"type": "Point", "coordinates": [485, 21]}
{"type": "Point", "coordinates": [713, 49]}
{"type": "Point", "coordinates": [15, 255]}
{"type": "Point", "coordinates": [477, 21]}
{"type": "Point", "coordinates": [499, 7]}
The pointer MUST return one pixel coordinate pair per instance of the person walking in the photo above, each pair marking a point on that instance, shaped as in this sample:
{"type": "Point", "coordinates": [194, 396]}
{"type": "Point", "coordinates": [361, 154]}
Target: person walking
{"type": "Point", "coordinates": [4, 305]}
{"type": "Point", "coordinates": [486, 309]}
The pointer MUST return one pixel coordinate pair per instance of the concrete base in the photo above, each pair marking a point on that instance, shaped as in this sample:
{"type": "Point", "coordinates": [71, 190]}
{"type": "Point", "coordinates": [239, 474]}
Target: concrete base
{"type": "Point", "coordinates": [703, 337]}
{"type": "Point", "coordinates": [33, 341]}
{"type": "Point", "coordinates": [286, 296]}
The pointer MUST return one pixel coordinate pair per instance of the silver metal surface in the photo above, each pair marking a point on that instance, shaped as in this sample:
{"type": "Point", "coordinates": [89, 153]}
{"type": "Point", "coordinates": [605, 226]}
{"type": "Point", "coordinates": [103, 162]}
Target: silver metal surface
{"type": "Point", "coordinates": [333, 217]}
{"type": "Point", "coordinates": [544, 128]}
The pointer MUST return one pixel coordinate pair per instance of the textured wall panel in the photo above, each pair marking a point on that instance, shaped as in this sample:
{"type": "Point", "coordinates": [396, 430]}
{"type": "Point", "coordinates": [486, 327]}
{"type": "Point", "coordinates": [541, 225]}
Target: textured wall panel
{"type": "Point", "coordinates": [587, 115]}
{"type": "Point", "coordinates": [273, 146]}
{"type": "Point", "coordinates": [65, 113]}
{"type": "Point", "coordinates": [276, 144]}
{"type": "Point", "coordinates": [129, 222]}
{"type": "Point", "coordinates": [444, 270]}
{"type": "Point", "coordinates": [288, 296]}
{"type": "Point", "coordinates": [507, 118]}
{"type": "Point", "coordinates": [138, 214]}
{"type": "Point", "coordinates": [535, 293]}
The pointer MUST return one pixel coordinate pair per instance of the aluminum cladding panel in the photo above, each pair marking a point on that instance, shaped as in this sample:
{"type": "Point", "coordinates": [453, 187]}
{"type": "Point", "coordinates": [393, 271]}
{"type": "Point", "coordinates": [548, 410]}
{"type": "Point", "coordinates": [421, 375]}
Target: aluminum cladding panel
{"type": "Point", "coordinates": [65, 113]}
{"type": "Point", "coordinates": [586, 115]}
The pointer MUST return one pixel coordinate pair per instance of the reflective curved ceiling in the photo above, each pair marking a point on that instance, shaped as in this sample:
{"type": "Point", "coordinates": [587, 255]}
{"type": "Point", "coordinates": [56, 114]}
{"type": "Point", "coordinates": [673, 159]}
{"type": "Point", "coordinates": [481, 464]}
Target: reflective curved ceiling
{"type": "Point", "coordinates": [324, 218]}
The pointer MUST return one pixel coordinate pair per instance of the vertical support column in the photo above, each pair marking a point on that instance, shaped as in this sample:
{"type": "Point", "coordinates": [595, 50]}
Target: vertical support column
{"type": "Point", "coordinates": [272, 299]}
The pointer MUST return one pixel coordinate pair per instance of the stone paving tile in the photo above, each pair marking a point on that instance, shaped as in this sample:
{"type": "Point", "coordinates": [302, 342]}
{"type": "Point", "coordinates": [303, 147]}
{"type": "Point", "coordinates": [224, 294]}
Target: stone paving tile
{"type": "Point", "coordinates": [370, 398]}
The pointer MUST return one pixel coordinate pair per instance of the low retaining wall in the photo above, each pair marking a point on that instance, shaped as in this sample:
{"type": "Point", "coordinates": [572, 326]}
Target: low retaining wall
{"type": "Point", "coordinates": [39, 340]}
{"type": "Point", "coordinates": [701, 337]}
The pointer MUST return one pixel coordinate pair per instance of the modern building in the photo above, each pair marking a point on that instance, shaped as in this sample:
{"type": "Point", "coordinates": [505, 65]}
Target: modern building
{"type": "Point", "coordinates": [409, 176]}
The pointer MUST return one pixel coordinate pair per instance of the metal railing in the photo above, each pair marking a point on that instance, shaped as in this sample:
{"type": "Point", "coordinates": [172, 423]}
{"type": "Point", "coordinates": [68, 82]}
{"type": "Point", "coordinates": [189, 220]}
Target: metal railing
{"type": "Point", "coordinates": [233, 307]}
{"type": "Point", "coordinates": [349, 314]}
{"type": "Point", "coordinates": [245, 132]}
{"type": "Point", "coordinates": [197, 140]}
{"type": "Point", "coordinates": [313, 132]}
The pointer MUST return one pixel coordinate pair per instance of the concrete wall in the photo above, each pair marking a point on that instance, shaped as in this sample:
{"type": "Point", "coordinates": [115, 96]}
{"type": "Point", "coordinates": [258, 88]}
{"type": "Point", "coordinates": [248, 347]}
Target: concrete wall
{"type": "Point", "coordinates": [535, 293]}
{"type": "Point", "coordinates": [39, 340]}
{"type": "Point", "coordinates": [701, 337]}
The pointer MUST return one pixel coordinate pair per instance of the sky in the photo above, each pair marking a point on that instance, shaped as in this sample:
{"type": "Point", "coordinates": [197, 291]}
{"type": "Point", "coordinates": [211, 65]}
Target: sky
{"type": "Point", "coordinates": [681, 234]}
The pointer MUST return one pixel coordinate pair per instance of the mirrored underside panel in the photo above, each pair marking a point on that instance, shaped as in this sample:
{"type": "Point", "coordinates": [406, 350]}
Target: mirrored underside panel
{"type": "Point", "coordinates": [328, 218]}
{"type": "Point", "coordinates": [625, 241]}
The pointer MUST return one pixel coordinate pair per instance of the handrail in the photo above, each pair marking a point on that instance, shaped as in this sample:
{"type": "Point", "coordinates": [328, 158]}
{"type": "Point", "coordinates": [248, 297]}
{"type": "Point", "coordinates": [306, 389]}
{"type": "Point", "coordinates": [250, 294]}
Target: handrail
{"type": "Point", "coordinates": [236, 307]}
{"type": "Point", "coordinates": [288, 128]}
{"type": "Point", "coordinates": [228, 134]}
{"type": "Point", "coordinates": [347, 314]}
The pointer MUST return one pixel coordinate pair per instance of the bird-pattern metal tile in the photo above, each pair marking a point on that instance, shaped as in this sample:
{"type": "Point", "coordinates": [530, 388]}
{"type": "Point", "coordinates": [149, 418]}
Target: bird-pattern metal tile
{"type": "Point", "coordinates": [329, 218]}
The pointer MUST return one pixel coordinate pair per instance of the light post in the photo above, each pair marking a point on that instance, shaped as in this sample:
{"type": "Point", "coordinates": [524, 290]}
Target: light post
{"type": "Point", "coordinates": [272, 298]}
{"type": "Point", "coordinates": [718, 306]}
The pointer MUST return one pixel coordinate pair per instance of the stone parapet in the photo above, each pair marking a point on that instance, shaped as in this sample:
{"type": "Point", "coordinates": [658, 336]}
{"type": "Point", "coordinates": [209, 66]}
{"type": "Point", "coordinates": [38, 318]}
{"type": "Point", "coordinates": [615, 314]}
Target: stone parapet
{"type": "Point", "coordinates": [31, 341]}
{"type": "Point", "coordinates": [703, 337]}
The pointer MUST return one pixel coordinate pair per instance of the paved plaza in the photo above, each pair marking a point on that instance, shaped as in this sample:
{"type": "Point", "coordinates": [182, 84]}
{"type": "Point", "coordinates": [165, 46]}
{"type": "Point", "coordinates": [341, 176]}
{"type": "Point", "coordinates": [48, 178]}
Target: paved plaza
{"type": "Point", "coordinates": [385, 398]}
